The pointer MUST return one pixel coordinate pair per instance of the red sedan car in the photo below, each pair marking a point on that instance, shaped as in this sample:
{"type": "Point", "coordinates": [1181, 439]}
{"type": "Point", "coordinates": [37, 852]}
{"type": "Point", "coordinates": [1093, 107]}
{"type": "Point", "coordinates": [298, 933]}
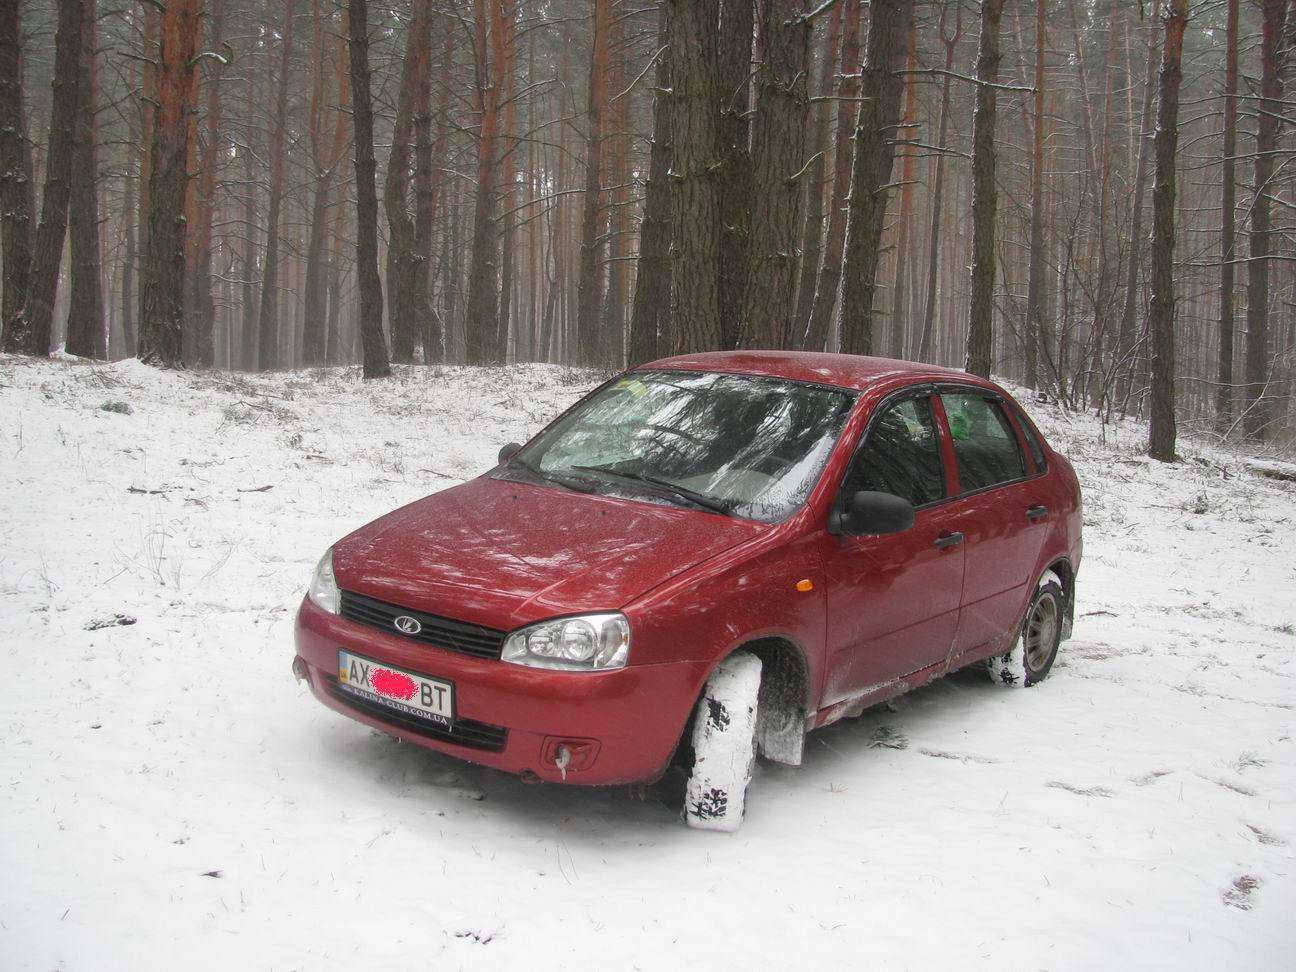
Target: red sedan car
{"type": "Point", "coordinates": [705, 558]}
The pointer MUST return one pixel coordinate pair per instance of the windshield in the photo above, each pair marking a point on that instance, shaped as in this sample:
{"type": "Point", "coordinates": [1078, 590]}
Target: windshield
{"type": "Point", "coordinates": [737, 444]}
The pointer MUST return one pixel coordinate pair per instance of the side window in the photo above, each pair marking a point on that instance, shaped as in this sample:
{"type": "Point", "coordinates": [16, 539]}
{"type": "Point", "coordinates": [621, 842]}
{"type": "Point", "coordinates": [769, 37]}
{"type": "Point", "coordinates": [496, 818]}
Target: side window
{"type": "Point", "coordinates": [901, 455]}
{"type": "Point", "coordinates": [1032, 438]}
{"type": "Point", "coordinates": [984, 443]}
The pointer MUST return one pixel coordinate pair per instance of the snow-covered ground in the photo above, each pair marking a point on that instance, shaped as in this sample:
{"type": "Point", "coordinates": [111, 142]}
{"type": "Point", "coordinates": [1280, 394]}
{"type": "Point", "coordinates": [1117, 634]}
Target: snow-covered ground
{"type": "Point", "coordinates": [169, 797]}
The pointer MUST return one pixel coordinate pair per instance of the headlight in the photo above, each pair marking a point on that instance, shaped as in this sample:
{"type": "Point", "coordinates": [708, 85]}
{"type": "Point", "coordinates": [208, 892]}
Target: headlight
{"type": "Point", "coordinates": [323, 587]}
{"type": "Point", "coordinates": [589, 643]}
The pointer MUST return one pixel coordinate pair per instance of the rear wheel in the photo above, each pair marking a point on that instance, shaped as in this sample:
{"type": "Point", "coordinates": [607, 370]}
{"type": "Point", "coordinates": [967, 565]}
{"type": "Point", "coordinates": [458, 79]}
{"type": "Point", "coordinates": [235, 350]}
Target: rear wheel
{"type": "Point", "coordinates": [724, 745]}
{"type": "Point", "coordinates": [1033, 652]}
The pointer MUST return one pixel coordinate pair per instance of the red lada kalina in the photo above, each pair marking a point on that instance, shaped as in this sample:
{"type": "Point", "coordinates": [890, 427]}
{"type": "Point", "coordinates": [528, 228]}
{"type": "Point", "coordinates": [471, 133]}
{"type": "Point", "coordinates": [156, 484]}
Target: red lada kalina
{"type": "Point", "coordinates": [704, 559]}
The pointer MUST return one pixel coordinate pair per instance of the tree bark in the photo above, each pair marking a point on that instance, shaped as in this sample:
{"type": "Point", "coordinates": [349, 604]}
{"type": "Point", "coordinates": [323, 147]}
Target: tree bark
{"type": "Point", "coordinates": [16, 214]}
{"type": "Point", "coordinates": [1161, 432]}
{"type": "Point", "coordinates": [402, 264]}
{"type": "Point", "coordinates": [777, 155]}
{"type": "Point", "coordinates": [938, 186]}
{"type": "Point", "coordinates": [1036, 287]}
{"type": "Point", "coordinates": [1228, 225]}
{"type": "Point", "coordinates": [314, 320]}
{"type": "Point", "coordinates": [733, 61]}
{"type": "Point", "coordinates": [1125, 340]}
{"type": "Point", "coordinates": [268, 337]}
{"type": "Point", "coordinates": [899, 301]}
{"type": "Point", "coordinates": [812, 248]}
{"type": "Point", "coordinates": [1256, 412]}
{"type": "Point", "coordinates": [874, 154]}
{"type": "Point", "coordinates": [30, 331]}
{"type": "Point", "coordinates": [650, 315]}
{"type": "Point", "coordinates": [482, 325]}
{"type": "Point", "coordinates": [85, 323]}
{"type": "Point", "coordinates": [589, 290]}
{"type": "Point", "coordinates": [828, 283]}
{"type": "Point", "coordinates": [201, 306]}
{"type": "Point", "coordinates": [373, 342]}
{"type": "Point", "coordinates": [431, 196]}
{"type": "Point", "coordinates": [163, 267]}
{"type": "Point", "coordinates": [695, 233]}
{"type": "Point", "coordinates": [980, 342]}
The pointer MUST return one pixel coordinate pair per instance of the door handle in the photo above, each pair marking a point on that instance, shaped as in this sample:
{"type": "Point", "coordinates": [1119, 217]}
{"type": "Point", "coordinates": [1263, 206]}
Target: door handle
{"type": "Point", "coordinates": [947, 540]}
{"type": "Point", "coordinates": [1035, 513]}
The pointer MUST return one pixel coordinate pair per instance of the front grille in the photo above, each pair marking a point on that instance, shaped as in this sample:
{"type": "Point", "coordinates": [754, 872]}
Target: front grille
{"type": "Point", "coordinates": [460, 636]}
{"type": "Point", "coordinates": [465, 732]}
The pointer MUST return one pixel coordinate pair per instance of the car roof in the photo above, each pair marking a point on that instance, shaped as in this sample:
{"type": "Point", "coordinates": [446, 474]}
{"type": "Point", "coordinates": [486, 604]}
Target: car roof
{"type": "Point", "coordinates": [853, 371]}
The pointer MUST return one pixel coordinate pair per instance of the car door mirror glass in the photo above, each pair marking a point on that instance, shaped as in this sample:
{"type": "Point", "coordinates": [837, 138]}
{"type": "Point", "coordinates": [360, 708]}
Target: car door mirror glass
{"type": "Point", "coordinates": [872, 513]}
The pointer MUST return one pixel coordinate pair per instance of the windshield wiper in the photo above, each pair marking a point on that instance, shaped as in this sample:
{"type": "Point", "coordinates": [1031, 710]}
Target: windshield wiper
{"type": "Point", "coordinates": [574, 483]}
{"type": "Point", "coordinates": [692, 496]}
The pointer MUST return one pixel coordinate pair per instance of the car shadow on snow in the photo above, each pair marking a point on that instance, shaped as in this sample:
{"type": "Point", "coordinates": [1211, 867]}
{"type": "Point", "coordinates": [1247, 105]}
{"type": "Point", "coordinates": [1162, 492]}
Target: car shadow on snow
{"type": "Point", "coordinates": [451, 788]}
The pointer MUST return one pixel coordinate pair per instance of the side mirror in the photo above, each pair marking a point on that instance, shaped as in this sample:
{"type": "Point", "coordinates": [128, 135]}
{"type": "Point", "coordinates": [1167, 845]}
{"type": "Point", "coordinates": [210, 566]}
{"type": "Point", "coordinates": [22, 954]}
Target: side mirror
{"type": "Point", "coordinates": [870, 513]}
{"type": "Point", "coordinates": [508, 451]}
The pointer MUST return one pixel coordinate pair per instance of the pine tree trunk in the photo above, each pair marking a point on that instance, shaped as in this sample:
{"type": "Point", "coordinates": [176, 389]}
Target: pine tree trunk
{"type": "Point", "coordinates": [1161, 432]}
{"type": "Point", "coordinates": [1255, 417]}
{"type": "Point", "coordinates": [938, 188]}
{"type": "Point", "coordinates": [373, 342]}
{"type": "Point", "coordinates": [482, 324]}
{"type": "Point", "coordinates": [315, 322]}
{"type": "Point", "coordinates": [881, 88]}
{"type": "Point", "coordinates": [431, 198]}
{"type": "Point", "coordinates": [201, 304]}
{"type": "Point", "coordinates": [402, 267]}
{"type": "Point", "coordinates": [1036, 286]}
{"type": "Point", "coordinates": [589, 290]}
{"type": "Point", "coordinates": [812, 248]}
{"type": "Point", "coordinates": [429, 324]}
{"type": "Point", "coordinates": [980, 353]}
{"type": "Point", "coordinates": [85, 323]}
{"type": "Point", "coordinates": [649, 318]}
{"type": "Point", "coordinates": [16, 216]}
{"type": "Point", "coordinates": [268, 339]}
{"type": "Point", "coordinates": [333, 336]}
{"type": "Point", "coordinates": [30, 332]}
{"type": "Point", "coordinates": [777, 157]}
{"type": "Point", "coordinates": [1125, 341]}
{"type": "Point", "coordinates": [828, 282]}
{"type": "Point", "coordinates": [508, 173]}
{"type": "Point", "coordinates": [733, 60]}
{"type": "Point", "coordinates": [899, 300]}
{"type": "Point", "coordinates": [695, 232]}
{"type": "Point", "coordinates": [1228, 225]}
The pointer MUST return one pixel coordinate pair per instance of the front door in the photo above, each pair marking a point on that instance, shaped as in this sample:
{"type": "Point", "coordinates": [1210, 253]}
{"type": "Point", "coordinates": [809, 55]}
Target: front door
{"type": "Point", "coordinates": [893, 601]}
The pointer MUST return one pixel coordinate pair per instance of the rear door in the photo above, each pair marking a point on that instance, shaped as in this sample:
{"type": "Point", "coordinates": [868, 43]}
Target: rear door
{"type": "Point", "coordinates": [893, 601]}
{"type": "Point", "coordinates": [999, 511]}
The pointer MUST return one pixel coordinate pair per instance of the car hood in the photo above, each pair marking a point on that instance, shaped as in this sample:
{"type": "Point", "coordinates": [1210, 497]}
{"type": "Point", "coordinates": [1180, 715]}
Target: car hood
{"type": "Point", "coordinates": [503, 554]}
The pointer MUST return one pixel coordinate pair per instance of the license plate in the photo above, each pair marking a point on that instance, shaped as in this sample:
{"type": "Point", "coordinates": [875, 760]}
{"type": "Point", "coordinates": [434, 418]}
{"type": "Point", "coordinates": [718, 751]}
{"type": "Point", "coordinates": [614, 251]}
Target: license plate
{"type": "Point", "coordinates": [397, 689]}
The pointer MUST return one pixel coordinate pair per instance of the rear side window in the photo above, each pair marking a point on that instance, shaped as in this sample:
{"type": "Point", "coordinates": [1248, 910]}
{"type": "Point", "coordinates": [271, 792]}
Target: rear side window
{"type": "Point", "coordinates": [984, 443]}
{"type": "Point", "coordinates": [1032, 439]}
{"type": "Point", "coordinates": [901, 455]}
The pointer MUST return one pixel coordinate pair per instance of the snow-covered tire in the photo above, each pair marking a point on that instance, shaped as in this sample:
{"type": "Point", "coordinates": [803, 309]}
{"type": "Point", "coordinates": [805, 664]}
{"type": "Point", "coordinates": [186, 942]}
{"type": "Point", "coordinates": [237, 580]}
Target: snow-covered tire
{"type": "Point", "coordinates": [1034, 650]}
{"type": "Point", "coordinates": [724, 745]}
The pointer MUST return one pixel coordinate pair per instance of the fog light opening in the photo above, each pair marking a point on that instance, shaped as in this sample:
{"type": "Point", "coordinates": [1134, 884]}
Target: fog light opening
{"type": "Point", "coordinates": [299, 670]}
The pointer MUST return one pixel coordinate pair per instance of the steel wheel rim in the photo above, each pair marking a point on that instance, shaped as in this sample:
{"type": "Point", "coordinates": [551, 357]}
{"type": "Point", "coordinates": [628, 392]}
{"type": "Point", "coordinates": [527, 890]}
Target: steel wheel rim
{"type": "Point", "coordinates": [1041, 632]}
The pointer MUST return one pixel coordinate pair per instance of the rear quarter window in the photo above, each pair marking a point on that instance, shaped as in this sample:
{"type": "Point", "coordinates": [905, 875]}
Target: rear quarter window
{"type": "Point", "coordinates": [1033, 441]}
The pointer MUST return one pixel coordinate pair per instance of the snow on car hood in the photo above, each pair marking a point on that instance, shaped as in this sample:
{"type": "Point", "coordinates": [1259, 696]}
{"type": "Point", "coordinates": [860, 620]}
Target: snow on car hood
{"type": "Point", "coordinates": [502, 554]}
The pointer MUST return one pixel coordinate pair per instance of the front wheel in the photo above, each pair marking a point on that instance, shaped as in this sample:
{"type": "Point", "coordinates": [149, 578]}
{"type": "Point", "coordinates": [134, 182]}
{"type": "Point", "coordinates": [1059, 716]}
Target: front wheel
{"type": "Point", "coordinates": [724, 745]}
{"type": "Point", "coordinates": [1033, 652]}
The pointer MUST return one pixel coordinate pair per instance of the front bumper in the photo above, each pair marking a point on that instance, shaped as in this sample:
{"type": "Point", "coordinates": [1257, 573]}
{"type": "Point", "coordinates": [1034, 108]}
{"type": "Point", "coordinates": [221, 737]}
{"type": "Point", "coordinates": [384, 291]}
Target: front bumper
{"type": "Point", "coordinates": [622, 726]}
